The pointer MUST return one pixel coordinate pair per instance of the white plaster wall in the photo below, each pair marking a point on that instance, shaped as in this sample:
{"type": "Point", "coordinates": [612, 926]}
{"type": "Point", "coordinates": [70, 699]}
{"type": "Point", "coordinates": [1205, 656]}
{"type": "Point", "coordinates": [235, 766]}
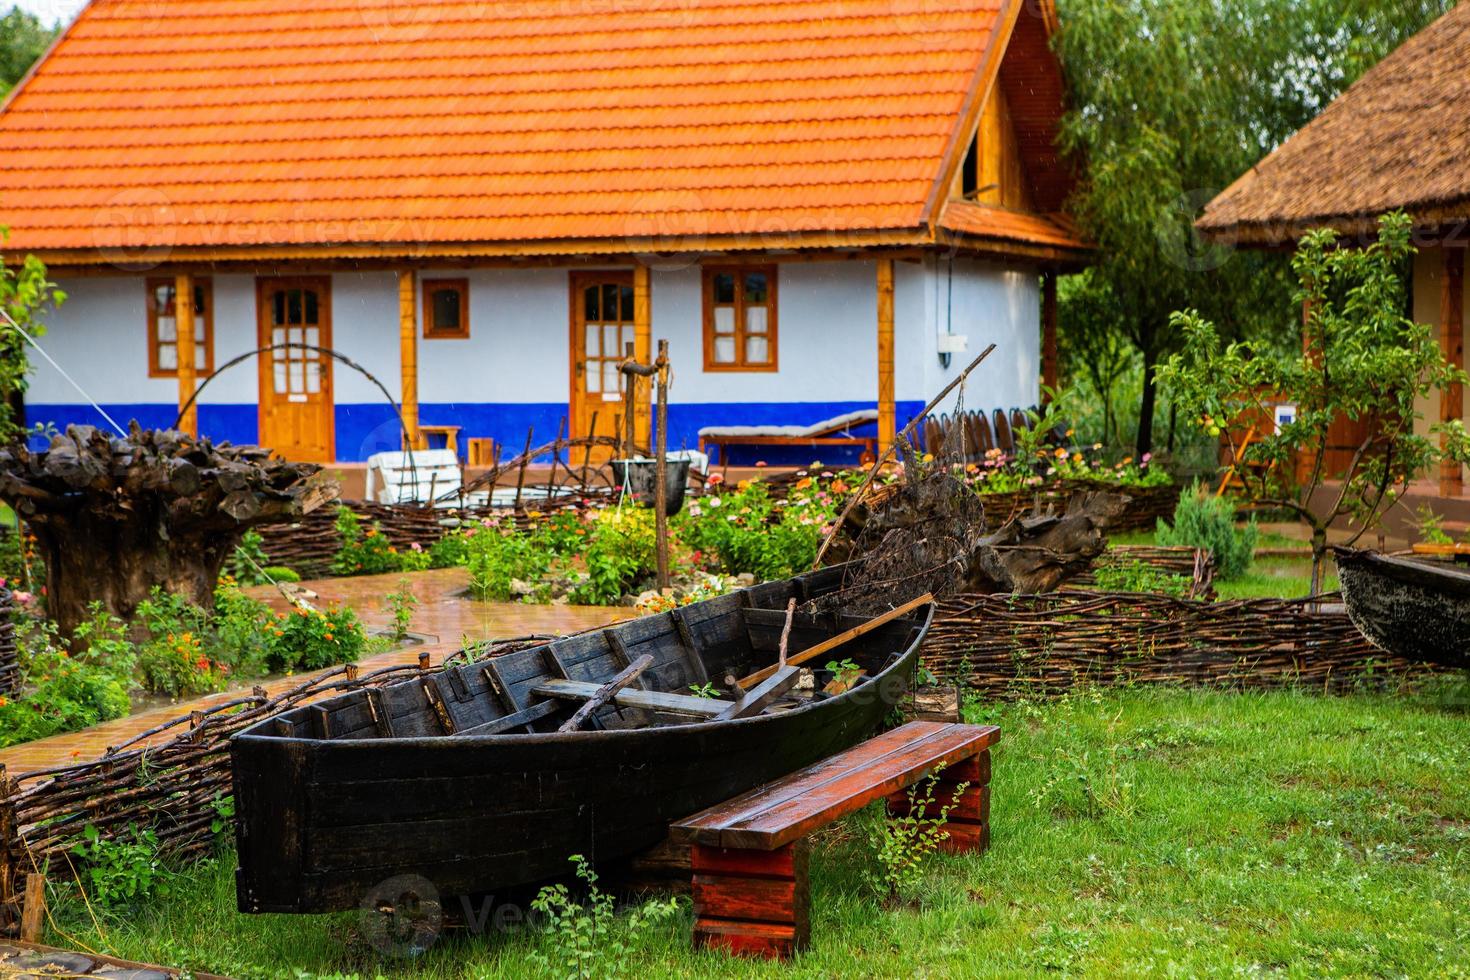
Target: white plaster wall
{"type": "Point", "coordinates": [365, 328]}
{"type": "Point", "coordinates": [100, 337]}
{"type": "Point", "coordinates": [518, 348]}
{"type": "Point", "coordinates": [987, 303]}
{"type": "Point", "coordinates": [235, 332]}
{"type": "Point", "coordinates": [826, 334]}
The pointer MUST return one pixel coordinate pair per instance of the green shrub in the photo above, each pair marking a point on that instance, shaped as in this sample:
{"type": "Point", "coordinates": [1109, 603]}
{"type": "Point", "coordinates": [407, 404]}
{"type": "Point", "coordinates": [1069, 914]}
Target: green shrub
{"type": "Point", "coordinates": [450, 551]}
{"type": "Point", "coordinates": [280, 573]}
{"type": "Point", "coordinates": [66, 693]}
{"type": "Point", "coordinates": [748, 531]}
{"type": "Point", "coordinates": [314, 639]}
{"type": "Point", "coordinates": [621, 549]}
{"type": "Point", "coordinates": [1203, 520]}
{"type": "Point", "coordinates": [497, 556]}
{"type": "Point", "coordinates": [122, 870]}
{"type": "Point", "coordinates": [363, 552]}
{"type": "Point", "coordinates": [247, 564]}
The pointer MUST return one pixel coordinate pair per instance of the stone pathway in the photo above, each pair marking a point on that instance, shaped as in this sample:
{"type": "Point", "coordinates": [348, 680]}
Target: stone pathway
{"type": "Point", "coordinates": [444, 615]}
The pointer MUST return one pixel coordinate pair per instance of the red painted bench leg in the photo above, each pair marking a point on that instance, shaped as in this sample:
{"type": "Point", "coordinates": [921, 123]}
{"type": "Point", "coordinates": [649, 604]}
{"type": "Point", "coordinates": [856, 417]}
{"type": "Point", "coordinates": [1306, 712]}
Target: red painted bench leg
{"type": "Point", "coordinates": [968, 825]}
{"type": "Point", "coordinates": [751, 903]}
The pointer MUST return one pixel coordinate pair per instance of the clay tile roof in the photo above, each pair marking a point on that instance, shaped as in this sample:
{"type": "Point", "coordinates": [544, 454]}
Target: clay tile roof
{"type": "Point", "coordinates": [1398, 138]}
{"type": "Point", "coordinates": [168, 124]}
{"type": "Point", "coordinates": [978, 223]}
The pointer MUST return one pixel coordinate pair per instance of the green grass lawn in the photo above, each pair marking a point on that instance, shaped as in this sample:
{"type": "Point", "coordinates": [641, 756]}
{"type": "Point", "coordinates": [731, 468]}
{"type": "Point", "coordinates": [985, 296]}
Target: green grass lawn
{"type": "Point", "coordinates": [1135, 832]}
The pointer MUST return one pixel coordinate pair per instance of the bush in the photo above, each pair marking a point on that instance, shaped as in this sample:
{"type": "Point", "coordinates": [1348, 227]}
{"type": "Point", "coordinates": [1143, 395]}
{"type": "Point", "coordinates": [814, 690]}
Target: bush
{"type": "Point", "coordinates": [496, 557]}
{"type": "Point", "coordinates": [1203, 520]}
{"type": "Point", "coordinates": [363, 552]}
{"type": "Point", "coordinates": [312, 639]}
{"type": "Point", "coordinates": [1137, 576]}
{"type": "Point", "coordinates": [748, 531]}
{"type": "Point", "coordinates": [65, 693]}
{"type": "Point", "coordinates": [621, 548]}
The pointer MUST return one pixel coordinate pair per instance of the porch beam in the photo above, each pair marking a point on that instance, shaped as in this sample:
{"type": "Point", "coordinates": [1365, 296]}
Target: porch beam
{"type": "Point", "coordinates": [1049, 369]}
{"type": "Point", "coordinates": [643, 353]}
{"type": "Point", "coordinates": [408, 355]}
{"type": "Point", "coordinates": [184, 344]}
{"type": "Point", "coordinates": [887, 411]}
{"type": "Point", "coordinates": [1452, 344]}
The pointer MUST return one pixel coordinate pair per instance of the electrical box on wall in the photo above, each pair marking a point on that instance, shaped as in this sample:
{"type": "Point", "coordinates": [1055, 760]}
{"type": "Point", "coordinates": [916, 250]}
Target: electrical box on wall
{"type": "Point", "coordinates": [953, 343]}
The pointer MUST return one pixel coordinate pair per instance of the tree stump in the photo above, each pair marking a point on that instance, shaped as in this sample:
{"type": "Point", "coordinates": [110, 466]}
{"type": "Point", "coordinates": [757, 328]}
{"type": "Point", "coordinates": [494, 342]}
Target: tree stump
{"type": "Point", "coordinates": [114, 517]}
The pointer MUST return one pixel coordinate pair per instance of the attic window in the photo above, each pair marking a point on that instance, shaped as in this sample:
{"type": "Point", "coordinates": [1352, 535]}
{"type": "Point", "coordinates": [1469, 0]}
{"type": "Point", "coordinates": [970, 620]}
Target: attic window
{"type": "Point", "coordinates": [447, 309]}
{"type": "Point", "coordinates": [163, 334]}
{"type": "Point", "coordinates": [970, 170]}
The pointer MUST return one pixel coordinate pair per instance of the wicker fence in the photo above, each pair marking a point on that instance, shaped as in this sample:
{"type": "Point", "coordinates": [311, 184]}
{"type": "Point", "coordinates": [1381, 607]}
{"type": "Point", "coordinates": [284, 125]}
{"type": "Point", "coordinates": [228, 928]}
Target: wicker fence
{"type": "Point", "coordinates": [9, 661]}
{"type": "Point", "coordinates": [1041, 646]}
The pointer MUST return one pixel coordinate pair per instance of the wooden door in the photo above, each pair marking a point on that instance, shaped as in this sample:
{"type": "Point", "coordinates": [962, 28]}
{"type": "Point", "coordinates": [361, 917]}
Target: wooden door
{"type": "Point", "coordinates": [602, 331]}
{"type": "Point", "coordinates": [296, 384]}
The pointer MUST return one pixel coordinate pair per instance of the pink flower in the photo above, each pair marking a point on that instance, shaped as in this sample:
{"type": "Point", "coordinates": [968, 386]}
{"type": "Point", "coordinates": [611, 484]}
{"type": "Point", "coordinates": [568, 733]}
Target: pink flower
{"type": "Point", "coordinates": [1147, 457]}
{"type": "Point", "coordinates": [715, 479]}
{"type": "Point", "coordinates": [24, 598]}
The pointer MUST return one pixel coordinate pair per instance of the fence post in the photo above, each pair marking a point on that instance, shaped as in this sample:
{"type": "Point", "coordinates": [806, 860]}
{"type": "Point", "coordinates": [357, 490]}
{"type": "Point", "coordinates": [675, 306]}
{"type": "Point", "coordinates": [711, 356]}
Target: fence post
{"type": "Point", "coordinates": [9, 900]}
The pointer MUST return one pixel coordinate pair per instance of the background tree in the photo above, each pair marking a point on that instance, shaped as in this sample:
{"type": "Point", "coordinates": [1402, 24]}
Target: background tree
{"type": "Point", "coordinates": [25, 293]}
{"type": "Point", "coordinates": [1362, 359]}
{"type": "Point", "coordinates": [23, 39]}
{"type": "Point", "coordinates": [1171, 101]}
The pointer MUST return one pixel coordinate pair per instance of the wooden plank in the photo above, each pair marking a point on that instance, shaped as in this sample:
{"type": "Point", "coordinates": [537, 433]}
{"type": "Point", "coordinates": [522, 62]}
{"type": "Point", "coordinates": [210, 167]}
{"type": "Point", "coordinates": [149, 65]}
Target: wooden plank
{"type": "Point", "coordinates": [844, 637]}
{"type": "Point", "coordinates": [689, 648]}
{"type": "Point", "coordinates": [887, 413]}
{"type": "Point", "coordinates": [788, 809]}
{"type": "Point", "coordinates": [379, 710]}
{"type": "Point", "coordinates": [408, 357]}
{"type": "Point", "coordinates": [33, 908]}
{"type": "Point", "coordinates": [184, 350]}
{"type": "Point", "coordinates": [681, 704]}
{"type": "Point", "coordinates": [753, 899]}
{"type": "Point", "coordinates": [754, 701]}
{"type": "Point", "coordinates": [525, 716]}
{"type": "Point", "coordinates": [606, 692]}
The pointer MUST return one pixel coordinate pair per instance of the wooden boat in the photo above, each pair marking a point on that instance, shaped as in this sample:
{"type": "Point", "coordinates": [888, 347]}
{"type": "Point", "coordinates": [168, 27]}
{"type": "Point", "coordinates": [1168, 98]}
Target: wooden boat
{"type": "Point", "coordinates": [1417, 610]}
{"type": "Point", "coordinates": [462, 779]}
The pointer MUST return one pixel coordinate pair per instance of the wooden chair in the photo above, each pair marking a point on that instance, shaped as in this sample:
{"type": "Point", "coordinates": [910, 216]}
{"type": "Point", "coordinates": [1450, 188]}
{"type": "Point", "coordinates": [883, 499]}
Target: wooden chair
{"type": "Point", "coordinates": [748, 856]}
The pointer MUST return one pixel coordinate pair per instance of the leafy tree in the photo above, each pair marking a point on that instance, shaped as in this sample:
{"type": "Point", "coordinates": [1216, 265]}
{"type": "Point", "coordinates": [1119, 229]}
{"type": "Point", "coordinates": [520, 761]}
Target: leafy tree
{"type": "Point", "coordinates": [25, 292]}
{"type": "Point", "coordinates": [1171, 101]}
{"type": "Point", "coordinates": [1362, 358]}
{"type": "Point", "coordinates": [23, 39]}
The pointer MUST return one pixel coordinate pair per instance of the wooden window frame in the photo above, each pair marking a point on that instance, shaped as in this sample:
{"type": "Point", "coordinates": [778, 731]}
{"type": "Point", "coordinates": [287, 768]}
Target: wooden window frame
{"type": "Point", "coordinates": [205, 283]}
{"type": "Point", "coordinates": [430, 287]}
{"type": "Point", "coordinates": [707, 288]}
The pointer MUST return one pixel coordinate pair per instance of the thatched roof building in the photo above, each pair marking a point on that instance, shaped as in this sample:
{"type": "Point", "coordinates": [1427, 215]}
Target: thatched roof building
{"type": "Point", "coordinates": [1398, 138]}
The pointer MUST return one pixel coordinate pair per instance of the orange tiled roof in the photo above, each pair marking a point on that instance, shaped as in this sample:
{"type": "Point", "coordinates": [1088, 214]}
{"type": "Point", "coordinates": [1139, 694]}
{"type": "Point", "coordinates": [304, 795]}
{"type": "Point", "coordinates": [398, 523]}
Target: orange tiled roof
{"type": "Point", "coordinates": [982, 221]}
{"type": "Point", "coordinates": [258, 123]}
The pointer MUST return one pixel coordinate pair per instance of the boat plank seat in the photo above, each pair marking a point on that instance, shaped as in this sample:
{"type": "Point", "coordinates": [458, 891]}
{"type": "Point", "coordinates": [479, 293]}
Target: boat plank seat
{"type": "Point", "coordinates": [748, 854]}
{"type": "Point", "coordinates": [679, 704]}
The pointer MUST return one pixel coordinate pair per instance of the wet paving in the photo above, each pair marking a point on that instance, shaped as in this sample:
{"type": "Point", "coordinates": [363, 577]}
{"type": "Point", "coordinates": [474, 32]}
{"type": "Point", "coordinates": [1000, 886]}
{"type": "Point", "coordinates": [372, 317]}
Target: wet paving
{"type": "Point", "coordinates": [444, 619]}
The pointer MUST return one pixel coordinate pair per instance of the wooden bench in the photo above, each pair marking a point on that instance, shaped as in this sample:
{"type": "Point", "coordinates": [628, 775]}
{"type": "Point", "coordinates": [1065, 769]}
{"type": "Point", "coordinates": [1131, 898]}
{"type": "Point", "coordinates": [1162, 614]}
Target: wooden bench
{"type": "Point", "coordinates": [748, 854]}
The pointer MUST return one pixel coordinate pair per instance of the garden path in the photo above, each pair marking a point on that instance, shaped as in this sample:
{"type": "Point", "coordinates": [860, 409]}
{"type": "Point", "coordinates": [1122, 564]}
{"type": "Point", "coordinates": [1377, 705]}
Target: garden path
{"type": "Point", "coordinates": [445, 616]}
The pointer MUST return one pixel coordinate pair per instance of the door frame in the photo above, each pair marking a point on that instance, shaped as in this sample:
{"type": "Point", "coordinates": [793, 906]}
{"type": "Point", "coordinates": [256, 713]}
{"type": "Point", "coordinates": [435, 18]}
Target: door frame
{"type": "Point", "coordinates": [576, 279]}
{"type": "Point", "coordinates": [265, 384]}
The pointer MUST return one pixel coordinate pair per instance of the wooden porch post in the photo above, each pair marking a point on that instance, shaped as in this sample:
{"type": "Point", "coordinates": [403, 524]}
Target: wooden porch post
{"type": "Point", "coordinates": [408, 355]}
{"type": "Point", "coordinates": [1049, 369]}
{"type": "Point", "coordinates": [1452, 343]}
{"type": "Point", "coordinates": [887, 412]}
{"type": "Point", "coordinates": [184, 332]}
{"type": "Point", "coordinates": [642, 353]}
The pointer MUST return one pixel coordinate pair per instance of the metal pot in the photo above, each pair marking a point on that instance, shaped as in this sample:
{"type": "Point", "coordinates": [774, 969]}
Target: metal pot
{"type": "Point", "coordinates": [639, 476]}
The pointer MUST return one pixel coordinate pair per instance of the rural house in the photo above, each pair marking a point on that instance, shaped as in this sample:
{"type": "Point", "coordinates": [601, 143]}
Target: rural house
{"type": "Point", "coordinates": [821, 206]}
{"type": "Point", "coordinates": [1394, 140]}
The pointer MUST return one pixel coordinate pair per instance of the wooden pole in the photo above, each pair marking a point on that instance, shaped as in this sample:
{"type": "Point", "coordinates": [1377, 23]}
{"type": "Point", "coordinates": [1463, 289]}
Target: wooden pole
{"type": "Point", "coordinates": [1452, 344]}
{"type": "Point", "coordinates": [833, 642]}
{"type": "Point", "coordinates": [630, 404]}
{"type": "Point", "coordinates": [408, 355]}
{"type": "Point", "coordinates": [184, 344]}
{"type": "Point", "coordinates": [660, 472]}
{"type": "Point", "coordinates": [1049, 366]}
{"type": "Point", "coordinates": [887, 412]}
{"type": "Point", "coordinates": [642, 349]}
{"type": "Point", "coordinates": [33, 909]}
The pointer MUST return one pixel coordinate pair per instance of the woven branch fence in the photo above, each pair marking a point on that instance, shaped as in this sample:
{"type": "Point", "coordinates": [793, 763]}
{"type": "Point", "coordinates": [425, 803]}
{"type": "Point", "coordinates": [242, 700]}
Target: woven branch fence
{"type": "Point", "coordinates": [9, 656]}
{"type": "Point", "coordinates": [1006, 646]}
{"type": "Point", "coordinates": [1194, 564]}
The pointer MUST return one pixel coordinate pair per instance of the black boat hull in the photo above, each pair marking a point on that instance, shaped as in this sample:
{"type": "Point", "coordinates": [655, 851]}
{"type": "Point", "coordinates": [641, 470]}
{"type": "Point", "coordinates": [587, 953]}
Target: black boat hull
{"type": "Point", "coordinates": [1411, 609]}
{"type": "Point", "coordinates": [323, 822]}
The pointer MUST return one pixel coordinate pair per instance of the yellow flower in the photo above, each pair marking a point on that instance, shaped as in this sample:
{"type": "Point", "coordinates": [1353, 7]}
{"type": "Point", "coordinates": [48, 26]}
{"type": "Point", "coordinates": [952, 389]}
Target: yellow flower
{"type": "Point", "coordinates": [1062, 453]}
